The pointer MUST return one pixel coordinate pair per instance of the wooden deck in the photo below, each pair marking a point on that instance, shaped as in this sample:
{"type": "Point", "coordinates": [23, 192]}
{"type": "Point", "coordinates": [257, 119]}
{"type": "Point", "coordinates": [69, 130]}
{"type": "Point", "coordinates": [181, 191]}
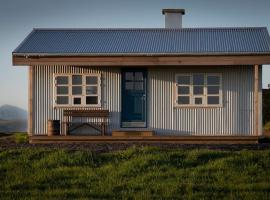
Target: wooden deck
{"type": "Point", "coordinates": [119, 133]}
{"type": "Point", "coordinates": [145, 139]}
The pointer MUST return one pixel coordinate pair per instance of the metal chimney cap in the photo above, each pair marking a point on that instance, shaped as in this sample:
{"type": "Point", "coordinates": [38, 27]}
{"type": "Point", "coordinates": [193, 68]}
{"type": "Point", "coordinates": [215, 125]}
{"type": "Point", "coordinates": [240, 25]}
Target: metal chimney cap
{"type": "Point", "coordinates": [182, 11]}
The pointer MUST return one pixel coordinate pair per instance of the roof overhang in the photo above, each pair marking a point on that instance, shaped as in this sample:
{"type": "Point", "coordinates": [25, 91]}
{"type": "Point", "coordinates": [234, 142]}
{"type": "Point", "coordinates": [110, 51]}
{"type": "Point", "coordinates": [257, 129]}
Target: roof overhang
{"type": "Point", "coordinates": [141, 60]}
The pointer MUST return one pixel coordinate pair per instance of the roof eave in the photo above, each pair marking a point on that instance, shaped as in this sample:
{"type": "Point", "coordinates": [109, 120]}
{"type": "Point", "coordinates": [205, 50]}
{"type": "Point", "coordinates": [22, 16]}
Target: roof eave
{"type": "Point", "coordinates": [125, 60]}
{"type": "Point", "coordinates": [139, 54]}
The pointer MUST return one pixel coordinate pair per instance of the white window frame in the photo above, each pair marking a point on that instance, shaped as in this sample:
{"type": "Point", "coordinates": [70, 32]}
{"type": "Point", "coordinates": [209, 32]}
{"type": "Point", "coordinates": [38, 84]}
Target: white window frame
{"type": "Point", "coordinates": [83, 95]}
{"type": "Point", "coordinates": [204, 95]}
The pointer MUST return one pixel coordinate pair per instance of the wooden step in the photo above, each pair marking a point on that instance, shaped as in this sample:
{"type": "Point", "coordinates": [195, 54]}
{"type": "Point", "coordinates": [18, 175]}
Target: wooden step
{"type": "Point", "coordinates": [132, 133]}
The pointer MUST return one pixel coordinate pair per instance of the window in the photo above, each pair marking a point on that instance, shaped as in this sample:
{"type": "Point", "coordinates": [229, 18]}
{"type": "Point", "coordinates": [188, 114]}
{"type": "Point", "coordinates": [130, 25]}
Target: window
{"type": "Point", "coordinates": [198, 89]}
{"type": "Point", "coordinates": [134, 81]}
{"type": "Point", "coordinates": [77, 90]}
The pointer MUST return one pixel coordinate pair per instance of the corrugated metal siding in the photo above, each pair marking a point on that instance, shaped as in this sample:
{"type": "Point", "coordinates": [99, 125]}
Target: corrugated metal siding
{"type": "Point", "coordinates": [43, 109]}
{"type": "Point", "coordinates": [146, 41]}
{"type": "Point", "coordinates": [234, 118]}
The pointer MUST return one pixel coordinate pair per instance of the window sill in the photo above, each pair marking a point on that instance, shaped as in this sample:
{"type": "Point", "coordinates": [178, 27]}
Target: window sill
{"type": "Point", "coordinates": [198, 106]}
{"type": "Point", "coordinates": [76, 106]}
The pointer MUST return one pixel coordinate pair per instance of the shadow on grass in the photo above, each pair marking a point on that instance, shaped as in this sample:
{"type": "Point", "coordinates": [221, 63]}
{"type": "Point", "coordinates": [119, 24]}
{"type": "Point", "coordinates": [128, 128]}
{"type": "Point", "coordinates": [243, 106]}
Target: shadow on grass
{"type": "Point", "coordinates": [5, 135]}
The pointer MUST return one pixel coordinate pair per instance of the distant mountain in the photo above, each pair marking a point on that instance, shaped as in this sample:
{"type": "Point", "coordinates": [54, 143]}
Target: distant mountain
{"type": "Point", "coordinates": [12, 119]}
{"type": "Point", "coordinates": [8, 112]}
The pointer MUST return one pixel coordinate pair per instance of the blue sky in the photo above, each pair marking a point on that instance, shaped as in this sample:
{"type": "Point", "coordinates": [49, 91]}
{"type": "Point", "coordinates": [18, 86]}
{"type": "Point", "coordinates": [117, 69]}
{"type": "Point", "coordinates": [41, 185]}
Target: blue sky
{"type": "Point", "coordinates": [19, 17]}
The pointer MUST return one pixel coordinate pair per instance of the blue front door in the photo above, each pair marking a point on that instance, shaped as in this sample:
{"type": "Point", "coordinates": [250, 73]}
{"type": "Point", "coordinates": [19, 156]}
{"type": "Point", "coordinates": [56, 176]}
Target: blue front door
{"type": "Point", "coordinates": [134, 84]}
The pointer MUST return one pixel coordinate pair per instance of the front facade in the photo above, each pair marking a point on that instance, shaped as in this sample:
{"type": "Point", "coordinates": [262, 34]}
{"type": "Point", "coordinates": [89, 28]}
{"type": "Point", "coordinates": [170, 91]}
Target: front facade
{"type": "Point", "coordinates": [156, 107]}
{"type": "Point", "coordinates": [173, 81]}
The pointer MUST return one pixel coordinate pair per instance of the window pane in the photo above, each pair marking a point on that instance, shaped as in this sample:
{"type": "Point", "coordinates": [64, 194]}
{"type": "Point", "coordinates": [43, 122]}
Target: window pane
{"type": "Point", "coordinates": [197, 90]}
{"type": "Point", "coordinates": [198, 100]}
{"type": "Point", "coordinates": [76, 79]}
{"type": "Point", "coordinates": [198, 79]}
{"type": "Point", "coordinates": [183, 100]}
{"type": "Point", "coordinates": [91, 89]}
{"type": "Point", "coordinates": [183, 90]}
{"type": "Point", "coordinates": [213, 80]}
{"type": "Point", "coordinates": [129, 76]}
{"type": "Point", "coordinates": [213, 100]}
{"type": "Point", "coordinates": [138, 76]}
{"type": "Point", "coordinates": [76, 89]}
{"type": "Point", "coordinates": [91, 80]}
{"type": "Point", "coordinates": [91, 100]}
{"type": "Point", "coordinates": [62, 90]}
{"type": "Point", "coordinates": [77, 100]}
{"type": "Point", "coordinates": [184, 80]}
{"type": "Point", "coordinates": [62, 100]}
{"type": "Point", "coordinates": [129, 85]}
{"type": "Point", "coordinates": [62, 80]}
{"type": "Point", "coordinates": [212, 89]}
{"type": "Point", "coordinates": [138, 85]}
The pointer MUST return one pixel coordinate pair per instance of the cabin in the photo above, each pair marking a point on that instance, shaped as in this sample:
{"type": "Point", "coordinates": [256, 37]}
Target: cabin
{"type": "Point", "coordinates": [172, 84]}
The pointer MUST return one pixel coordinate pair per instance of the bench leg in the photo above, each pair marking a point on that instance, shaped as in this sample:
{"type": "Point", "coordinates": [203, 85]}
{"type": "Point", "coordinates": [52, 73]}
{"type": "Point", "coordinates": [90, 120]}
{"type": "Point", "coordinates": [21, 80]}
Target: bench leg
{"type": "Point", "coordinates": [66, 128]}
{"type": "Point", "coordinates": [103, 130]}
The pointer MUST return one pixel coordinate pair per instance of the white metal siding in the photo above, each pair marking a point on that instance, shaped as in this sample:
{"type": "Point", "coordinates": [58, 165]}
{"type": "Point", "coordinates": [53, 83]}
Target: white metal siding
{"type": "Point", "coordinates": [235, 117]}
{"type": "Point", "coordinates": [43, 94]}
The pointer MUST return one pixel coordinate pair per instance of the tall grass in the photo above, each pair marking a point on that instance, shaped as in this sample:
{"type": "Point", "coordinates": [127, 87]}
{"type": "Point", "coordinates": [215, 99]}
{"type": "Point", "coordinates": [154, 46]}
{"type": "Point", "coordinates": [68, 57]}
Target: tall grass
{"type": "Point", "coordinates": [135, 173]}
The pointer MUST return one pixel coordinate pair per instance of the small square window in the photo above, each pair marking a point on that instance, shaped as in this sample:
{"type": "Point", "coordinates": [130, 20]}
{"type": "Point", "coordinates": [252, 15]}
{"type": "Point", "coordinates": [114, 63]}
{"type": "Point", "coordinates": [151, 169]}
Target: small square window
{"type": "Point", "coordinates": [198, 90]}
{"type": "Point", "coordinates": [62, 80]}
{"type": "Point", "coordinates": [129, 85]}
{"type": "Point", "coordinates": [76, 79]}
{"type": "Point", "coordinates": [62, 90]}
{"type": "Point", "coordinates": [213, 80]}
{"type": "Point", "coordinates": [91, 100]}
{"type": "Point", "coordinates": [138, 76]}
{"type": "Point", "coordinates": [183, 80]}
{"type": "Point", "coordinates": [183, 99]}
{"type": "Point", "coordinates": [212, 89]}
{"type": "Point", "coordinates": [91, 90]}
{"type": "Point", "coordinates": [76, 90]}
{"type": "Point", "coordinates": [183, 89]}
{"type": "Point", "coordinates": [62, 100]}
{"type": "Point", "coordinates": [213, 100]}
{"type": "Point", "coordinates": [138, 85]}
{"type": "Point", "coordinates": [129, 76]}
{"type": "Point", "coordinates": [198, 79]}
{"type": "Point", "coordinates": [77, 100]}
{"type": "Point", "coordinates": [198, 100]}
{"type": "Point", "coordinates": [91, 80]}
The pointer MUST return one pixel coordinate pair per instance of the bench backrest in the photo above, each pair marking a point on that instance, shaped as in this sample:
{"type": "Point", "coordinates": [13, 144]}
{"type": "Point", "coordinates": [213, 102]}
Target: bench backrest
{"type": "Point", "coordinates": [86, 113]}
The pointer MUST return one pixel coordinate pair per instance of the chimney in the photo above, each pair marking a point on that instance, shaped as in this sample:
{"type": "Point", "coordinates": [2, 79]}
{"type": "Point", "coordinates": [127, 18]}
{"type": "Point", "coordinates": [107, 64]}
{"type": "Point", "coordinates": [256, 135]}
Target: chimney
{"type": "Point", "coordinates": [173, 17]}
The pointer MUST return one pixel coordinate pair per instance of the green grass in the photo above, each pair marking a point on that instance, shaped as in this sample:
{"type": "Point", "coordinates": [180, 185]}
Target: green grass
{"type": "Point", "coordinates": [20, 137]}
{"type": "Point", "coordinates": [267, 126]}
{"type": "Point", "coordinates": [136, 173]}
{"type": "Point", "coordinates": [17, 137]}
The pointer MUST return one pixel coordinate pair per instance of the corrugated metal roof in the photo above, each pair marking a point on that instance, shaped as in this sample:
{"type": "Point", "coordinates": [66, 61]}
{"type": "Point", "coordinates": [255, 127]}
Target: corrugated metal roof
{"type": "Point", "coordinates": [146, 41]}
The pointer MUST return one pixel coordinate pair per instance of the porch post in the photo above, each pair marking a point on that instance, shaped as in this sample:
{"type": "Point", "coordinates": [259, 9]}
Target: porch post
{"type": "Point", "coordinates": [256, 99]}
{"type": "Point", "coordinates": [30, 100]}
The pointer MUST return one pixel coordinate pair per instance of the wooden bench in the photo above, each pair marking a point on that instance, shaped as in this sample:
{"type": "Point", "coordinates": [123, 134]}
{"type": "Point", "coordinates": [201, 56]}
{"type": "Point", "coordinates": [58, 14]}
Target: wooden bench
{"type": "Point", "coordinates": [99, 120]}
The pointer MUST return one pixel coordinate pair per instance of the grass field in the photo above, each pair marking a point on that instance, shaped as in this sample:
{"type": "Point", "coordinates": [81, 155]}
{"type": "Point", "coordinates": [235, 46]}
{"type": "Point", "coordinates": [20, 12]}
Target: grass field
{"type": "Point", "coordinates": [135, 173]}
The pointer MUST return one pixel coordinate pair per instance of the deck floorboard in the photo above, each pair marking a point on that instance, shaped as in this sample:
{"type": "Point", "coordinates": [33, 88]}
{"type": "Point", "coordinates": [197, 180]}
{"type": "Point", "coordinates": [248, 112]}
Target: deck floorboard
{"type": "Point", "coordinates": [146, 139]}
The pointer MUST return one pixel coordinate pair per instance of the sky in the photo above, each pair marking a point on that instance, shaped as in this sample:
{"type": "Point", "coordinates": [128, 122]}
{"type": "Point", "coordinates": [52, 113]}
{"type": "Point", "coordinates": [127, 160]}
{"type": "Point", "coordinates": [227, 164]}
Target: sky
{"type": "Point", "coordinates": [19, 17]}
